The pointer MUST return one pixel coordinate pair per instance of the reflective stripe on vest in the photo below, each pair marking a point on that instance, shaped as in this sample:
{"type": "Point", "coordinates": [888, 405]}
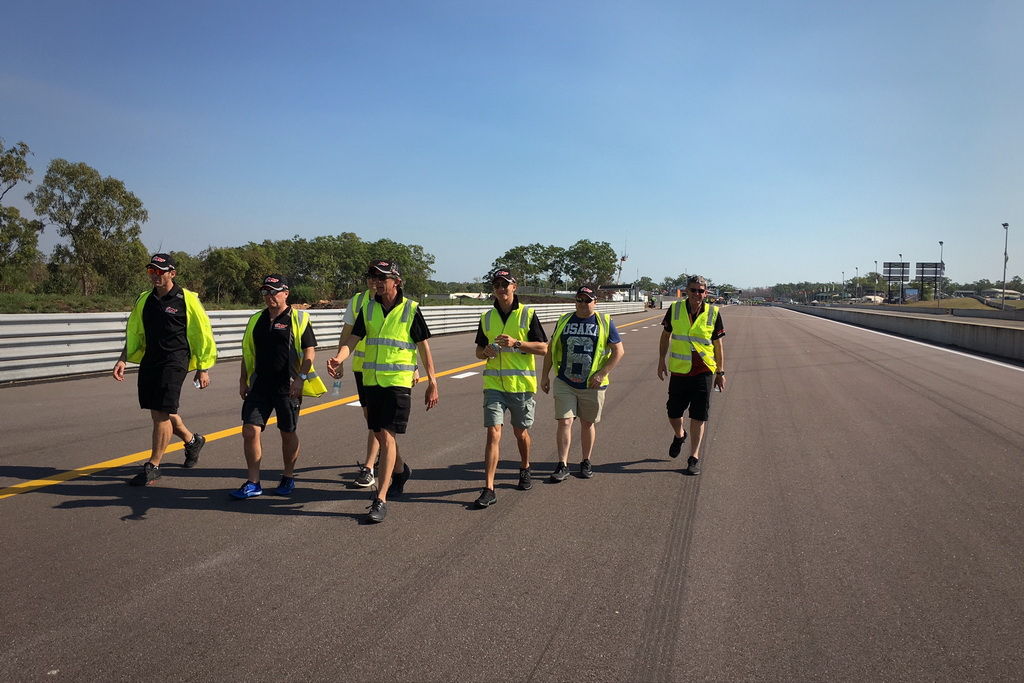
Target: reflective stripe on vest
{"type": "Point", "coordinates": [687, 338]}
{"type": "Point", "coordinates": [511, 371]}
{"type": "Point", "coordinates": [390, 352]}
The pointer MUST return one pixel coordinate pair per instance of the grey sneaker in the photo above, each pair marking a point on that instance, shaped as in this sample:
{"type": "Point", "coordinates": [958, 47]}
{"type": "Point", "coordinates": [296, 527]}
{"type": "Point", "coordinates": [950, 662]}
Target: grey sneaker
{"type": "Point", "coordinates": [378, 510]}
{"type": "Point", "coordinates": [586, 471]}
{"type": "Point", "coordinates": [525, 481]}
{"type": "Point", "coordinates": [192, 450]}
{"type": "Point", "coordinates": [487, 498]}
{"type": "Point", "coordinates": [147, 476]}
{"type": "Point", "coordinates": [676, 445]}
{"type": "Point", "coordinates": [693, 466]}
{"type": "Point", "coordinates": [365, 478]}
{"type": "Point", "coordinates": [560, 473]}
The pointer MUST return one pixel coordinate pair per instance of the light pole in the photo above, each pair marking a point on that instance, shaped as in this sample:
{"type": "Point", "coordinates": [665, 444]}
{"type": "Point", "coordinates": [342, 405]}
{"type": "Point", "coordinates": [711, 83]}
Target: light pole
{"type": "Point", "coordinates": [856, 291]}
{"type": "Point", "coordinates": [1006, 257]}
{"type": "Point", "coordinates": [876, 278]}
{"type": "Point", "coordinates": [902, 275]}
{"type": "Point", "coordinates": [942, 274]}
{"type": "Point", "coordinates": [842, 294]}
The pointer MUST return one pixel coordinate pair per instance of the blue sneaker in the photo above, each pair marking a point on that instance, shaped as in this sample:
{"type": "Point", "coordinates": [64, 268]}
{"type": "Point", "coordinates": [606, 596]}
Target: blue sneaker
{"type": "Point", "coordinates": [286, 486]}
{"type": "Point", "coordinates": [248, 490]}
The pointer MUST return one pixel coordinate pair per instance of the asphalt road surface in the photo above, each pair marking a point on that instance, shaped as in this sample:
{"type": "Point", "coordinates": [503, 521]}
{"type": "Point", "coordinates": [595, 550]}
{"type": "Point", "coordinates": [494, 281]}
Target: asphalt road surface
{"type": "Point", "coordinates": [860, 516]}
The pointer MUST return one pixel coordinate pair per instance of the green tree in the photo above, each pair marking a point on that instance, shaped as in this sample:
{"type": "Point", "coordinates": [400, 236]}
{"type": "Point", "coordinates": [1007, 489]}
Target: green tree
{"type": "Point", "coordinates": [21, 263]}
{"type": "Point", "coordinates": [102, 220]}
{"type": "Point", "coordinates": [589, 262]}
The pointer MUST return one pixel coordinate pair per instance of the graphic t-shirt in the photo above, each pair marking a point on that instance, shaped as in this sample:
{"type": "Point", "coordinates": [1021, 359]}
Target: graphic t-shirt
{"type": "Point", "coordinates": [579, 344]}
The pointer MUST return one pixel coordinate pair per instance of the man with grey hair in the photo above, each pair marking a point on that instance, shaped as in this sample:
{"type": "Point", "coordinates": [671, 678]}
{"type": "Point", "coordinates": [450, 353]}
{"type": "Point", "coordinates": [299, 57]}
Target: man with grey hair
{"type": "Point", "coordinates": [692, 338]}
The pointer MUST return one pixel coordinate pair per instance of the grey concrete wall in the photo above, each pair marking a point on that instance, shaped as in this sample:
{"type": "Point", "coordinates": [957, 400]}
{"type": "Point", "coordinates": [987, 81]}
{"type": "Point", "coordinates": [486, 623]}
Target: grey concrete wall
{"type": "Point", "coordinates": [1004, 342]}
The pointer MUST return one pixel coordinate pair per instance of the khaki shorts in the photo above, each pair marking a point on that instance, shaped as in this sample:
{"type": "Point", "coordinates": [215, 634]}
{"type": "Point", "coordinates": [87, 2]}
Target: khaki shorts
{"type": "Point", "coordinates": [585, 404]}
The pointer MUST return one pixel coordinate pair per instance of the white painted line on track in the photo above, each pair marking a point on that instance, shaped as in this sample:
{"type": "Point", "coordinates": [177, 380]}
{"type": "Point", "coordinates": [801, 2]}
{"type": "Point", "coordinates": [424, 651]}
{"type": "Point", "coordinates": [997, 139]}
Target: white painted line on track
{"type": "Point", "coordinates": [357, 404]}
{"type": "Point", "coordinates": [464, 375]}
{"type": "Point", "coordinates": [921, 343]}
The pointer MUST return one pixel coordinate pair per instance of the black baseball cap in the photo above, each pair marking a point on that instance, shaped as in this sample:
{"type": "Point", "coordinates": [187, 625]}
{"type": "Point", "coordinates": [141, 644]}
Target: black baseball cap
{"type": "Point", "coordinates": [503, 274]}
{"type": "Point", "coordinates": [383, 267]}
{"type": "Point", "coordinates": [587, 292]}
{"type": "Point", "coordinates": [162, 262]}
{"type": "Point", "coordinates": [275, 282]}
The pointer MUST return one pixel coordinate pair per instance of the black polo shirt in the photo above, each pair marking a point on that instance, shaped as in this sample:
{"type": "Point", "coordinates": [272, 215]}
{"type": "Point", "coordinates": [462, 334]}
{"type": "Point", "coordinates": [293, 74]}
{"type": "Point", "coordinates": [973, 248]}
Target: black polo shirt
{"type": "Point", "coordinates": [164, 320]}
{"type": "Point", "coordinates": [272, 342]}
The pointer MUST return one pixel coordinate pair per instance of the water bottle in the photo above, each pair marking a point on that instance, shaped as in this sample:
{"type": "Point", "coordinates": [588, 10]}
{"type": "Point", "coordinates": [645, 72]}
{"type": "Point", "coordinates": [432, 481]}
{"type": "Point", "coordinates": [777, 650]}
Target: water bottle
{"type": "Point", "coordinates": [336, 387]}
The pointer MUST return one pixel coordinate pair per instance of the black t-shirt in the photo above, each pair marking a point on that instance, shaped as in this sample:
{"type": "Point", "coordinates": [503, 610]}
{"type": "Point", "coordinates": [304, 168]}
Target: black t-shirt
{"type": "Point", "coordinates": [697, 366]}
{"type": "Point", "coordinates": [534, 334]}
{"type": "Point", "coordinates": [272, 340]}
{"type": "Point", "coordinates": [420, 331]}
{"type": "Point", "coordinates": [164, 320]}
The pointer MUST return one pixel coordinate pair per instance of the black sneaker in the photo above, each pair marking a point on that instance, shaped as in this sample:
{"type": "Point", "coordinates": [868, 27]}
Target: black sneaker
{"type": "Point", "coordinates": [378, 510]}
{"type": "Point", "coordinates": [486, 498]}
{"type": "Point", "coordinates": [398, 480]}
{"type": "Point", "coordinates": [147, 476]}
{"type": "Point", "coordinates": [677, 445]}
{"type": "Point", "coordinates": [560, 473]}
{"type": "Point", "coordinates": [692, 466]}
{"type": "Point", "coordinates": [365, 478]}
{"type": "Point", "coordinates": [192, 450]}
{"type": "Point", "coordinates": [525, 481]}
{"type": "Point", "coordinates": [586, 471]}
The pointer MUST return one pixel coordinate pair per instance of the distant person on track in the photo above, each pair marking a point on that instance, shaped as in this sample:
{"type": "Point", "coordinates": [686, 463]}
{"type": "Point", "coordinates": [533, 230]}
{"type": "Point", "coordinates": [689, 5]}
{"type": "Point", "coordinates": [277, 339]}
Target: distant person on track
{"type": "Point", "coordinates": [278, 349]}
{"type": "Point", "coordinates": [585, 347]}
{"type": "Point", "coordinates": [395, 332]}
{"type": "Point", "coordinates": [509, 337]}
{"type": "Point", "coordinates": [692, 338]}
{"type": "Point", "coordinates": [168, 334]}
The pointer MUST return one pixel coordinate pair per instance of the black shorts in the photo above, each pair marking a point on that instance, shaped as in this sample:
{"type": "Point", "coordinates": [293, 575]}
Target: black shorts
{"type": "Point", "coordinates": [693, 391]}
{"type": "Point", "coordinates": [256, 410]}
{"type": "Point", "coordinates": [359, 388]}
{"type": "Point", "coordinates": [160, 387]}
{"type": "Point", "coordinates": [387, 408]}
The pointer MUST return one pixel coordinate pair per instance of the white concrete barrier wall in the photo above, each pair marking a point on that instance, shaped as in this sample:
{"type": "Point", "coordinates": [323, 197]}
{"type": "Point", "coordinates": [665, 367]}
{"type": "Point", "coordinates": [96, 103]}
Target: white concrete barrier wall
{"type": "Point", "coordinates": [992, 340]}
{"type": "Point", "coordinates": [47, 345]}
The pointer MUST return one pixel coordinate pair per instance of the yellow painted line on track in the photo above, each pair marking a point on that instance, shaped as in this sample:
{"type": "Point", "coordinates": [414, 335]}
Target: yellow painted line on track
{"type": "Point", "coordinates": [35, 484]}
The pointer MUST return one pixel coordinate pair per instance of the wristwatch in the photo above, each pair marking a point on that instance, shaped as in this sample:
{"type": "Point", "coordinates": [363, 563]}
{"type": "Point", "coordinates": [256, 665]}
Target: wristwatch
{"type": "Point", "coordinates": [517, 345]}
{"type": "Point", "coordinates": [722, 373]}
{"type": "Point", "coordinates": [303, 376]}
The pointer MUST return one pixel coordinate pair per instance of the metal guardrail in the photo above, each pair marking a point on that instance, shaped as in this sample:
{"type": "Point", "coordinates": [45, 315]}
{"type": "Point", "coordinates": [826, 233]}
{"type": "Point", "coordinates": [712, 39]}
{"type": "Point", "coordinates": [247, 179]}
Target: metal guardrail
{"type": "Point", "coordinates": [47, 345]}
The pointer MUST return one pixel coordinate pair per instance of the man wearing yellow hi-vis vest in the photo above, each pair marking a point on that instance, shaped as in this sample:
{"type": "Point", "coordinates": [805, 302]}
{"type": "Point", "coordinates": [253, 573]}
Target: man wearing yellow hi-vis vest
{"type": "Point", "coordinates": [395, 333]}
{"type": "Point", "coordinates": [168, 334]}
{"type": "Point", "coordinates": [509, 338]}
{"type": "Point", "coordinates": [692, 338]}
{"type": "Point", "coordinates": [278, 349]}
{"type": "Point", "coordinates": [585, 347]}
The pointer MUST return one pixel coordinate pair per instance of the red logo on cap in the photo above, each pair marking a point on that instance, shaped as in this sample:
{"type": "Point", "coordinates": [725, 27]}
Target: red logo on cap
{"type": "Point", "coordinates": [272, 279]}
{"type": "Point", "coordinates": [382, 263]}
{"type": "Point", "coordinates": [159, 259]}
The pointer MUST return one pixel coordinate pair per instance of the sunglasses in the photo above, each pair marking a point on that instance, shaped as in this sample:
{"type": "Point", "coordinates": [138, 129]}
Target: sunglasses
{"type": "Point", "coordinates": [378, 276]}
{"type": "Point", "coordinates": [500, 284]}
{"type": "Point", "coordinates": [154, 269]}
{"type": "Point", "coordinates": [697, 291]}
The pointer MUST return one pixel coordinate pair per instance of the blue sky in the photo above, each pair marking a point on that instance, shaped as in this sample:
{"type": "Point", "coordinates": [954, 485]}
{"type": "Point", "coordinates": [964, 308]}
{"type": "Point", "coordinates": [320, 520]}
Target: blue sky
{"type": "Point", "coordinates": [753, 142]}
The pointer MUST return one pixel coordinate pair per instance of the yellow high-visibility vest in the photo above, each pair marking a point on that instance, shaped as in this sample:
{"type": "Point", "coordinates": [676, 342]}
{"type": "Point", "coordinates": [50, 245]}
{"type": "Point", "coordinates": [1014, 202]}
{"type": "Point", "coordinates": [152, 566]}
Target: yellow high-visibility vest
{"type": "Point", "coordinates": [202, 349]}
{"type": "Point", "coordinates": [510, 370]}
{"type": "Point", "coordinates": [390, 359]}
{"type": "Point", "coordinates": [687, 337]}
{"type": "Point", "coordinates": [313, 385]}
{"type": "Point", "coordinates": [601, 352]}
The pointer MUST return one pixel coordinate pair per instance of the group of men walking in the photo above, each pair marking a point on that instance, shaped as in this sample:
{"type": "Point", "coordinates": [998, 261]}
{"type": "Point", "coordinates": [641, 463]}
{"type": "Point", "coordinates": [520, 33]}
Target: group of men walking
{"type": "Point", "coordinates": [384, 333]}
